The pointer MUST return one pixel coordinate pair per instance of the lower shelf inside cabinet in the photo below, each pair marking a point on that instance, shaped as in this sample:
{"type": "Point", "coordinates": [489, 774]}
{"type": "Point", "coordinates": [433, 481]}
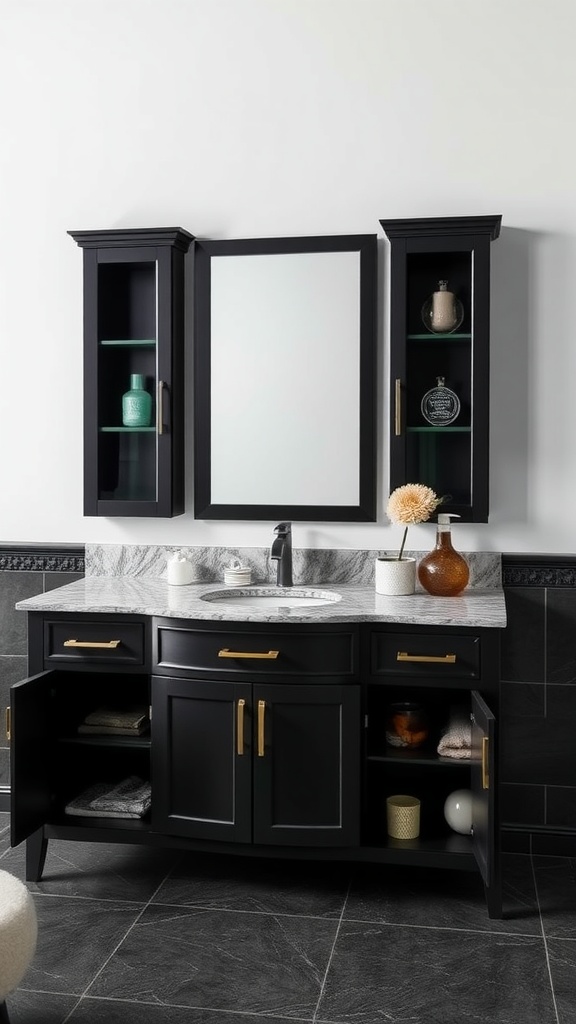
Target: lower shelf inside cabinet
{"type": "Point", "coordinates": [128, 742]}
{"type": "Point", "coordinates": [60, 820]}
{"type": "Point", "coordinates": [439, 844]}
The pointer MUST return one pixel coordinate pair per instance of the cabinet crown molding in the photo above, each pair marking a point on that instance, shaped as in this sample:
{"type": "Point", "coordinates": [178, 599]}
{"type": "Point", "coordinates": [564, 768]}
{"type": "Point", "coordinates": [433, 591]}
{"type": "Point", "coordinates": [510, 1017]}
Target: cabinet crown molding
{"type": "Point", "coordinates": [419, 226]}
{"type": "Point", "coordinates": [123, 237]}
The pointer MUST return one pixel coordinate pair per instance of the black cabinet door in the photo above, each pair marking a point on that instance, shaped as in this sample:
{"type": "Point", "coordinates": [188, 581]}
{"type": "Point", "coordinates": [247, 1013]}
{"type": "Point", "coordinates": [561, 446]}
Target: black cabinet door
{"type": "Point", "coordinates": [30, 760]}
{"type": "Point", "coordinates": [277, 764]}
{"type": "Point", "coordinates": [201, 759]}
{"type": "Point", "coordinates": [484, 790]}
{"type": "Point", "coordinates": [306, 765]}
{"type": "Point", "coordinates": [134, 339]}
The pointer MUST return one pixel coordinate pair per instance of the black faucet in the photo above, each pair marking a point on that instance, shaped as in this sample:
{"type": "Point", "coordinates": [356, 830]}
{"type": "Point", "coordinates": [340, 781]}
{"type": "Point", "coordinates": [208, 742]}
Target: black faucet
{"type": "Point", "coordinates": [282, 553]}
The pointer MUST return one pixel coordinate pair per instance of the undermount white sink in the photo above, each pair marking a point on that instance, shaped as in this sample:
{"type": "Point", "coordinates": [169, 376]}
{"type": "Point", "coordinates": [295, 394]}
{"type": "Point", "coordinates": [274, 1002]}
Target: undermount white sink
{"type": "Point", "coordinates": [272, 597]}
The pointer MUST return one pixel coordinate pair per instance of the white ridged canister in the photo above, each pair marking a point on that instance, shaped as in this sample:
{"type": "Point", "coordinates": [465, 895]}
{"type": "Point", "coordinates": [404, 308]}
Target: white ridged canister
{"type": "Point", "coordinates": [394, 576]}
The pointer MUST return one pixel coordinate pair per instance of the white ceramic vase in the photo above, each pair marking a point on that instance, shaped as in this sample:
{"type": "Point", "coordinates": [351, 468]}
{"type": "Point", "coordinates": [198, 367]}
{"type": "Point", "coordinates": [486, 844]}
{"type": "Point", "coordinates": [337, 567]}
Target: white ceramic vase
{"type": "Point", "coordinates": [458, 811]}
{"type": "Point", "coordinates": [395, 576]}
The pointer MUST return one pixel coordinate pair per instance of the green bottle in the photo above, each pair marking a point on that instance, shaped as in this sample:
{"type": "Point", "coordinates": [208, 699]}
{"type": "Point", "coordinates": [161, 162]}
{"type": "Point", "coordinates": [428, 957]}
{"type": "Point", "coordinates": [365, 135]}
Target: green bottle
{"type": "Point", "coordinates": [136, 403]}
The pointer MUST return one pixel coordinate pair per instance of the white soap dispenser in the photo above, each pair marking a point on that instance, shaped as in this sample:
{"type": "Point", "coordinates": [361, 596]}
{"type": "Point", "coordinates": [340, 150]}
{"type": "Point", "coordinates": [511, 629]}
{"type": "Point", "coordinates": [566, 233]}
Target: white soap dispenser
{"type": "Point", "coordinates": [444, 572]}
{"type": "Point", "coordinates": [179, 570]}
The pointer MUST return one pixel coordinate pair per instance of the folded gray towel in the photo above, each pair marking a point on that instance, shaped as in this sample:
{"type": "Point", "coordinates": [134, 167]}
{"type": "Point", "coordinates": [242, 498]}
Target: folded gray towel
{"type": "Point", "coordinates": [112, 730]}
{"type": "Point", "coordinates": [87, 812]}
{"type": "Point", "coordinates": [131, 795]}
{"type": "Point", "coordinates": [130, 798]}
{"type": "Point", "coordinates": [118, 718]}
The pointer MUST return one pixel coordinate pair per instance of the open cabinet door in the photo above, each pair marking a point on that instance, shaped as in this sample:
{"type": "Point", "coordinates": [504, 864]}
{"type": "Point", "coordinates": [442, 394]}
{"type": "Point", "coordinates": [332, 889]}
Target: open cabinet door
{"type": "Point", "coordinates": [485, 838]}
{"type": "Point", "coordinates": [30, 740]}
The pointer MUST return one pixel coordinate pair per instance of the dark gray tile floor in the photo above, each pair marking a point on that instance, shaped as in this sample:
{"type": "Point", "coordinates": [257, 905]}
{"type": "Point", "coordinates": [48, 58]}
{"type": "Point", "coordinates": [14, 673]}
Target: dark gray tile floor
{"type": "Point", "coordinates": [135, 936]}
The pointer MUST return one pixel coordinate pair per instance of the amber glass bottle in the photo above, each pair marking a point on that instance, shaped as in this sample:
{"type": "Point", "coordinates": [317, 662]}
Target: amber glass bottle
{"type": "Point", "coordinates": [444, 572]}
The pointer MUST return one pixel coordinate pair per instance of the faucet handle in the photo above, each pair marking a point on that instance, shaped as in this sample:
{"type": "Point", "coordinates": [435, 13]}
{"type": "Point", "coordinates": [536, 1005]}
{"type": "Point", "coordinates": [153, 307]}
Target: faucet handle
{"type": "Point", "coordinates": [283, 529]}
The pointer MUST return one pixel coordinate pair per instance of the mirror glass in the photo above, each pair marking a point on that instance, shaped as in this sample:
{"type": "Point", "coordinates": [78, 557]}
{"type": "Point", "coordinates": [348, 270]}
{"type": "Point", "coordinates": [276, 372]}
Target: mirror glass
{"type": "Point", "coordinates": [284, 378]}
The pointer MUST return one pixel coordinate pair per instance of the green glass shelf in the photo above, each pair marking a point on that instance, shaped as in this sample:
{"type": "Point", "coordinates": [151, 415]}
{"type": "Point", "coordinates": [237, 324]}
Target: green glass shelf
{"type": "Point", "coordinates": [440, 337]}
{"type": "Point", "coordinates": [438, 430]}
{"type": "Point", "coordinates": [129, 342]}
{"type": "Point", "coordinates": [127, 430]}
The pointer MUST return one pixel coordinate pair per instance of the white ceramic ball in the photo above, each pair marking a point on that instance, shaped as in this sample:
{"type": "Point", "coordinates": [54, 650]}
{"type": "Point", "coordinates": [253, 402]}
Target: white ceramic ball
{"type": "Point", "coordinates": [458, 811]}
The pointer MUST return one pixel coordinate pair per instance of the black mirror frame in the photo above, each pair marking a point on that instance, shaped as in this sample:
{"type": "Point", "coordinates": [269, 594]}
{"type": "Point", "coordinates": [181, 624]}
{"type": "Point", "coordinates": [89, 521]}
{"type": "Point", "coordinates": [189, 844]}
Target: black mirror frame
{"type": "Point", "coordinates": [204, 251]}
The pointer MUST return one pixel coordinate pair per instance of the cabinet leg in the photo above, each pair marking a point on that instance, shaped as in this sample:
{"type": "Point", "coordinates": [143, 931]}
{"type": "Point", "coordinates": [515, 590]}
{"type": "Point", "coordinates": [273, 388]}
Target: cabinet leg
{"type": "Point", "coordinates": [494, 899]}
{"type": "Point", "coordinates": [36, 849]}
{"type": "Point", "coordinates": [4, 1018]}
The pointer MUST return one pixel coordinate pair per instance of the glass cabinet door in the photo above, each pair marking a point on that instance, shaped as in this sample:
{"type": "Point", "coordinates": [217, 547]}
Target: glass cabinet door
{"type": "Point", "coordinates": [128, 354]}
{"type": "Point", "coordinates": [440, 331]}
{"type": "Point", "coordinates": [133, 358]}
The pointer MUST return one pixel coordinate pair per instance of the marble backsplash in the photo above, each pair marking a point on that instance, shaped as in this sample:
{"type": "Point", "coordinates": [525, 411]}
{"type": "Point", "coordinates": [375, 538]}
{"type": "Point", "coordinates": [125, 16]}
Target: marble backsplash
{"type": "Point", "coordinates": [310, 566]}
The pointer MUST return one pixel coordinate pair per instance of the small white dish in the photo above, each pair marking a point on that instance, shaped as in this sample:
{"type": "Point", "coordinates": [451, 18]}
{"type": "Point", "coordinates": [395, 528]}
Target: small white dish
{"type": "Point", "coordinates": [237, 575]}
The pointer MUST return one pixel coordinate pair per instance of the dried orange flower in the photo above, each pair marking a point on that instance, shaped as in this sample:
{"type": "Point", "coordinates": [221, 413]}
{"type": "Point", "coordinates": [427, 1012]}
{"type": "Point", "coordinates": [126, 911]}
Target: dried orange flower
{"type": "Point", "coordinates": [411, 503]}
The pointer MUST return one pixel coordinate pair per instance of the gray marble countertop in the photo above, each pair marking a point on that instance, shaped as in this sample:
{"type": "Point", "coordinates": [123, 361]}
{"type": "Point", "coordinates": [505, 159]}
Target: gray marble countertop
{"type": "Point", "coordinates": [145, 596]}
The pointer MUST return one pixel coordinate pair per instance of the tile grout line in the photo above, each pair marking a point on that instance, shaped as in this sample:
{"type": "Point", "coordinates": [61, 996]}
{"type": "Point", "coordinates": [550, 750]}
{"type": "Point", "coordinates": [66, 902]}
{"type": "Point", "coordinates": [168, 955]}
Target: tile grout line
{"type": "Point", "coordinates": [545, 652]}
{"type": "Point", "coordinates": [118, 944]}
{"type": "Point", "coordinates": [331, 957]}
{"type": "Point", "coordinates": [545, 788]}
{"type": "Point", "coordinates": [546, 952]}
{"type": "Point", "coordinates": [206, 908]}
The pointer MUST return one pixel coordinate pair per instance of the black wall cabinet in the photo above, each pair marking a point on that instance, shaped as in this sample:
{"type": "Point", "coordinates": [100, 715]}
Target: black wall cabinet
{"type": "Point", "coordinates": [451, 457]}
{"type": "Point", "coordinates": [133, 324]}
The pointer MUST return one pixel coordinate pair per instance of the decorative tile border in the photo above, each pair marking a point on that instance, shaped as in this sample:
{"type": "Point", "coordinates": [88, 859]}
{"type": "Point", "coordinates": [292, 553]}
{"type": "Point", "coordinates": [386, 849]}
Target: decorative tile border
{"type": "Point", "coordinates": [42, 558]}
{"type": "Point", "coordinates": [538, 570]}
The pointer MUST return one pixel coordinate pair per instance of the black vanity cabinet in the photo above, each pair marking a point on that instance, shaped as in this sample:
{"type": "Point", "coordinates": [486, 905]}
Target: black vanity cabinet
{"type": "Point", "coordinates": [259, 734]}
{"type": "Point", "coordinates": [443, 442]}
{"type": "Point", "coordinates": [267, 739]}
{"type": "Point", "coordinates": [134, 283]}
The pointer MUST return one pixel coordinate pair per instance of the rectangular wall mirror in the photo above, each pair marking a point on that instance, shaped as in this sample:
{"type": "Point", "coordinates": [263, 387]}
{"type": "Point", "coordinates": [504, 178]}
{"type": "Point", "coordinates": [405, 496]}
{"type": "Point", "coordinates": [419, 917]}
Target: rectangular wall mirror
{"type": "Point", "coordinates": [285, 379]}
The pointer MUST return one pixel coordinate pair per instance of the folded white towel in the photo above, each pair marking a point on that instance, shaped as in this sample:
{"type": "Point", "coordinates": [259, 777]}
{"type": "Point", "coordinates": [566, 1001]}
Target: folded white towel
{"type": "Point", "coordinates": [456, 739]}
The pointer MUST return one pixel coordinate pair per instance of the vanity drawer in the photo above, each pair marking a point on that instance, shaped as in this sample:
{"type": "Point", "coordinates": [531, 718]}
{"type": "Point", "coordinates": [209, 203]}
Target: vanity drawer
{"type": "Point", "coordinates": [256, 652]}
{"type": "Point", "coordinates": [94, 641]}
{"type": "Point", "coordinates": [431, 654]}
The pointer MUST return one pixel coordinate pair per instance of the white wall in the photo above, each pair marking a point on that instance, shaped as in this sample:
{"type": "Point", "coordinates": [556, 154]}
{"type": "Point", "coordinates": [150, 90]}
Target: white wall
{"type": "Point", "coordinates": [283, 117]}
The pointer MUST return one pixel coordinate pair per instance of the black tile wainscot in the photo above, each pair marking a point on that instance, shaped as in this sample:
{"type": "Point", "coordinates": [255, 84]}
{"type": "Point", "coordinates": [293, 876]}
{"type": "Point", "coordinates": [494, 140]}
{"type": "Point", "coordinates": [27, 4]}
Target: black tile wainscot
{"type": "Point", "coordinates": [25, 570]}
{"type": "Point", "coordinates": [538, 713]}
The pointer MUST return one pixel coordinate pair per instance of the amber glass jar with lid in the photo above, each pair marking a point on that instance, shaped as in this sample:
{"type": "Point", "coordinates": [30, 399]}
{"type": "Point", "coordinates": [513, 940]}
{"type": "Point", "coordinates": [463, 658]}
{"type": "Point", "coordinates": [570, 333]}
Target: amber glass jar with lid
{"type": "Point", "coordinates": [406, 725]}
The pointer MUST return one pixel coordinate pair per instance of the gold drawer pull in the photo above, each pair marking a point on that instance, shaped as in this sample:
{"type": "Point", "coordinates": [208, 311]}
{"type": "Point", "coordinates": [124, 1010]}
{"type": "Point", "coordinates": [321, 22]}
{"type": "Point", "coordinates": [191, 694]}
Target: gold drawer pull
{"type": "Point", "coordinates": [240, 726]}
{"type": "Point", "coordinates": [225, 653]}
{"type": "Point", "coordinates": [8, 724]}
{"type": "Point", "coordinates": [444, 659]}
{"type": "Point", "coordinates": [261, 715]}
{"type": "Point", "coordinates": [110, 645]}
{"type": "Point", "coordinates": [485, 775]}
